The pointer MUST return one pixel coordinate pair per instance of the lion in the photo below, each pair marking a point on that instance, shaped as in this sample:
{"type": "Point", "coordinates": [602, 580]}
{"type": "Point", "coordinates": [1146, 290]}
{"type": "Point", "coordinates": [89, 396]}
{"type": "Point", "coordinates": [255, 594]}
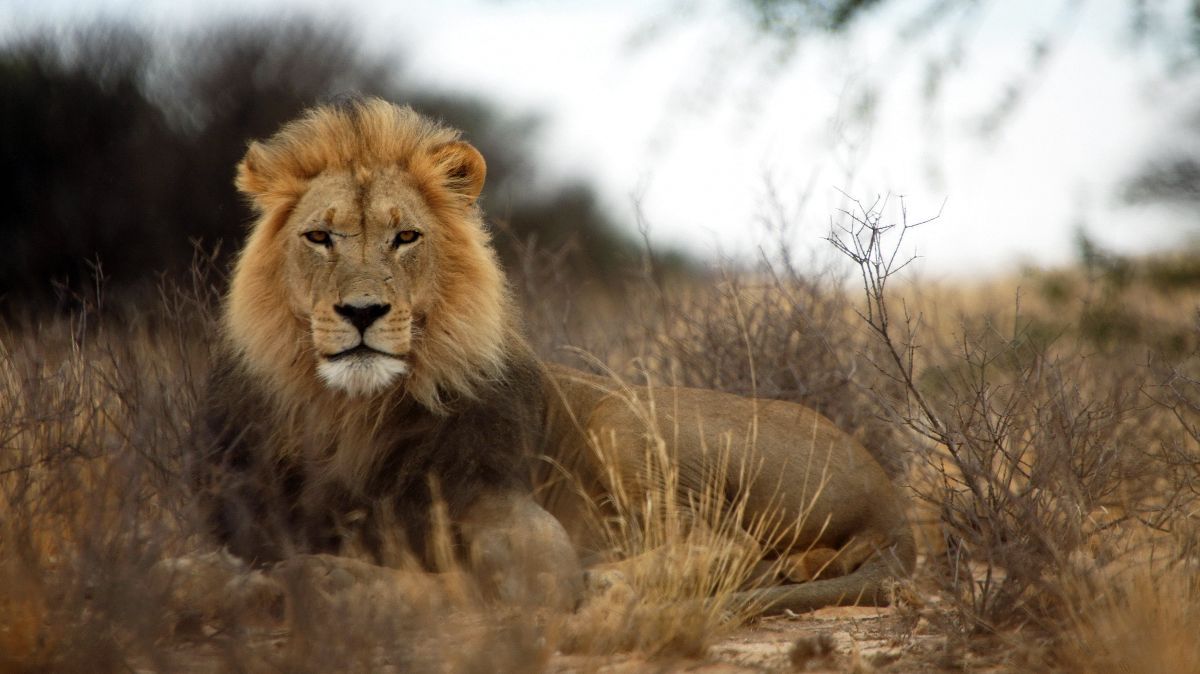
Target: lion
{"type": "Point", "coordinates": [373, 385]}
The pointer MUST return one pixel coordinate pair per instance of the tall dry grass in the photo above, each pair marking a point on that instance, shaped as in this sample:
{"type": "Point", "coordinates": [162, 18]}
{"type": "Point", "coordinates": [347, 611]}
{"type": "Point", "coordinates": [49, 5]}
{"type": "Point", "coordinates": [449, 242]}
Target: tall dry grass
{"type": "Point", "coordinates": [105, 565]}
{"type": "Point", "coordinates": [1053, 459]}
{"type": "Point", "coordinates": [94, 415]}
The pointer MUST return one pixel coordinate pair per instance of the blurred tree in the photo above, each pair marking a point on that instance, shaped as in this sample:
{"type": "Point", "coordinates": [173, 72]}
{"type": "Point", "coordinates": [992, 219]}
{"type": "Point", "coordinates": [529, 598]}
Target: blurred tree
{"type": "Point", "coordinates": [119, 149]}
{"type": "Point", "coordinates": [1170, 179]}
{"type": "Point", "coordinates": [1151, 19]}
{"type": "Point", "coordinates": [1173, 28]}
{"type": "Point", "coordinates": [790, 17]}
{"type": "Point", "coordinates": [76, 137]}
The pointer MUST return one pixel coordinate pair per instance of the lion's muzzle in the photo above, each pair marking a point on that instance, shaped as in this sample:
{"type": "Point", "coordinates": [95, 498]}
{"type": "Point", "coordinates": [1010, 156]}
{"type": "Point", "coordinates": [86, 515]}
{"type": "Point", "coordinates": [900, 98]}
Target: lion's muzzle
{"type": "Point", "coordinates": [369, 351]}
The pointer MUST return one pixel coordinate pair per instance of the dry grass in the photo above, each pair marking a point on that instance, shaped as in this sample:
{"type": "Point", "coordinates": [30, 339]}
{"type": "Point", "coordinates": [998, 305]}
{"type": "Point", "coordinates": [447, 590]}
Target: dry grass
{"type": "Point", "coordinates": [680, 561]}
{"type": "Point", "coordinates": [1144, 620]}
{"type": "Point", "coordinates": [1053, 457]}
{"type": "Point", "coordinates": [93, 423]}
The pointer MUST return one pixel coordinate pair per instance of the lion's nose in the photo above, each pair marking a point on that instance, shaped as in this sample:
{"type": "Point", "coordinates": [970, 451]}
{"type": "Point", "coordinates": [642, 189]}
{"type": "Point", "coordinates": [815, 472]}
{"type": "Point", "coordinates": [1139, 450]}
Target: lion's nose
{"type": "Point", "coordinates": [361, 316]}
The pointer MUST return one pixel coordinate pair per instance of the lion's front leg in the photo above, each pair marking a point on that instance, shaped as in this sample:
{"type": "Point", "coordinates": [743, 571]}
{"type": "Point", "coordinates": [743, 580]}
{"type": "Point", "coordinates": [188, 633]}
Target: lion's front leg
{"type": "Point", "coordinates": [520, 553]}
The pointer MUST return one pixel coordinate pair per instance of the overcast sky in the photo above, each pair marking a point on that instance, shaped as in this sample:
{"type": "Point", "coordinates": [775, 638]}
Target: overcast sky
{"type": "Point", "coordinates": [682, 109]}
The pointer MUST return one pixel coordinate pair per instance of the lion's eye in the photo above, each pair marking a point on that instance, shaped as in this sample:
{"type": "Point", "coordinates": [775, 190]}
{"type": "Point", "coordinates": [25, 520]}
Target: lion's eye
{"type": "Point", "coordinates": [319, 237]}
{"type": "Point", "coordinates": [405, 237]}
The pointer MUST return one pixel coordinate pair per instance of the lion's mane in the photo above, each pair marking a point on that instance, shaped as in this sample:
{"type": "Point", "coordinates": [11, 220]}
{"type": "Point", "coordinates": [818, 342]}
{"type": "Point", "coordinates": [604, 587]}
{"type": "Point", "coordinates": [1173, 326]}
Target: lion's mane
{"type": "Point", "coordinates": [468, 331]}
{"type": "Point", "coordinates": [285, 459]}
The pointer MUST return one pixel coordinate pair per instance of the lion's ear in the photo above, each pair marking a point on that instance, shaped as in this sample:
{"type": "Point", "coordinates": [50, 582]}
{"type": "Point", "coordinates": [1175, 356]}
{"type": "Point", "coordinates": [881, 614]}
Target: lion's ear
{"type": "Point", "coordinates": [268, 182]}
{"type": "Point", "coordinates": [250, 180]}
{"type": "Point", "coordinates": [462, 167]}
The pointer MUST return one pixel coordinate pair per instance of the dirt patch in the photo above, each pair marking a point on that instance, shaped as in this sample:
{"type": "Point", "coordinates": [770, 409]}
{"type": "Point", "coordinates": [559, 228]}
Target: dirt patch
{"type": "Point", "coordinates": [836, 639]}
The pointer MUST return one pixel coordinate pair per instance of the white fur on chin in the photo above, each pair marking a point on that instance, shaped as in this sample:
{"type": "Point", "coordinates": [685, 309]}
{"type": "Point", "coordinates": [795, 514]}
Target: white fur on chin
{"type": "Point", "coordinates": [362, 375]}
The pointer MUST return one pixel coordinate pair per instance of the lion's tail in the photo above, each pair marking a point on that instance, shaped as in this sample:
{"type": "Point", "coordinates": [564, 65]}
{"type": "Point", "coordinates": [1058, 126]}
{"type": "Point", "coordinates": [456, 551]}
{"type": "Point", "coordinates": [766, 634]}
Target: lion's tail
{"type": "Point", "coordinates": [868, 585]}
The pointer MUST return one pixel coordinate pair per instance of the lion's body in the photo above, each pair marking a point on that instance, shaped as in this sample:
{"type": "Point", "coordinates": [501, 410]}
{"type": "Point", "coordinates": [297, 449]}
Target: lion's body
{"type": "Point", "coordinates": [374, 383]}
{"type": "Point", "coordinates": [801, 486]}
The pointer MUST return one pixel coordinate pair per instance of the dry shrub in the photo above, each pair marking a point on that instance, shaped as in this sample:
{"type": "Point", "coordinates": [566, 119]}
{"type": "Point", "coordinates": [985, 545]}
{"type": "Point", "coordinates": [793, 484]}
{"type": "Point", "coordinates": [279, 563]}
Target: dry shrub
{"type": "Point", "coordinates": [1045, 455]}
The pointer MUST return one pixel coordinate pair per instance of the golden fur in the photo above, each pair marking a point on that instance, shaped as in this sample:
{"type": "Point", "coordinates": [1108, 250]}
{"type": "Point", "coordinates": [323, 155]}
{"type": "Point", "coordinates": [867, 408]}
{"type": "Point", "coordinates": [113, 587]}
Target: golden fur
{"type": "Point", "coordinates": [371, 207]}
{"type": "Point", "coordinates": [469, 316]}
{"type": "Point", "coordinates": [465, 306]}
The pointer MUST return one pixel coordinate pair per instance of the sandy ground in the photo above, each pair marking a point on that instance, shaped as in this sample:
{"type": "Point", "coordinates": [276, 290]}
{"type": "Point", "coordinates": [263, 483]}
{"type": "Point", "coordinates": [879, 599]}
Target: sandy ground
{"type": "Point", "coordinates": [838, 639]}
{"type": "Point", "coordinates": [844, 639]}
{"type": "Point", "coordinates": [835, 639]}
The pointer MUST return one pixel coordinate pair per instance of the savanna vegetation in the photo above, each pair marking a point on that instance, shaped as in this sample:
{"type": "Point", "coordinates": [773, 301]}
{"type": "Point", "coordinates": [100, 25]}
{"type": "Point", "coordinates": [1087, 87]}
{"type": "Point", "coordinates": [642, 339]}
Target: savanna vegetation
{"type": "Point", "coordinates": [1045, 425]}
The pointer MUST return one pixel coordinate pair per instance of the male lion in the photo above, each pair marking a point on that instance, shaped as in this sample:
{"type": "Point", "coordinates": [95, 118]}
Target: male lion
{"type": "Point", "coordinates": [375, 384]}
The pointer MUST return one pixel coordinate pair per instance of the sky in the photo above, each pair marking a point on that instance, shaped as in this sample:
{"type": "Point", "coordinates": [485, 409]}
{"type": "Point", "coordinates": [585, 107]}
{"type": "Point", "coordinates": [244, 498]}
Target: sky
{"type": "Point", "coordinates": [710, 134]}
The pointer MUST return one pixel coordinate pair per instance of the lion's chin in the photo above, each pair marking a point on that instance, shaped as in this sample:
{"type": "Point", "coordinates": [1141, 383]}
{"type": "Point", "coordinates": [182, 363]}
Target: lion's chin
{"type": "Point", "coordinates": [362, 375]}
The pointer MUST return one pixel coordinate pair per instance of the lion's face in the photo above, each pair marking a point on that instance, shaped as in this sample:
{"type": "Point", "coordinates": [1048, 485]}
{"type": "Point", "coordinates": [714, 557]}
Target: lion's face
{"type": "Point", "coordinates": [369, 268]}
{"type": "Point", "coordinates": [359, 247]}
